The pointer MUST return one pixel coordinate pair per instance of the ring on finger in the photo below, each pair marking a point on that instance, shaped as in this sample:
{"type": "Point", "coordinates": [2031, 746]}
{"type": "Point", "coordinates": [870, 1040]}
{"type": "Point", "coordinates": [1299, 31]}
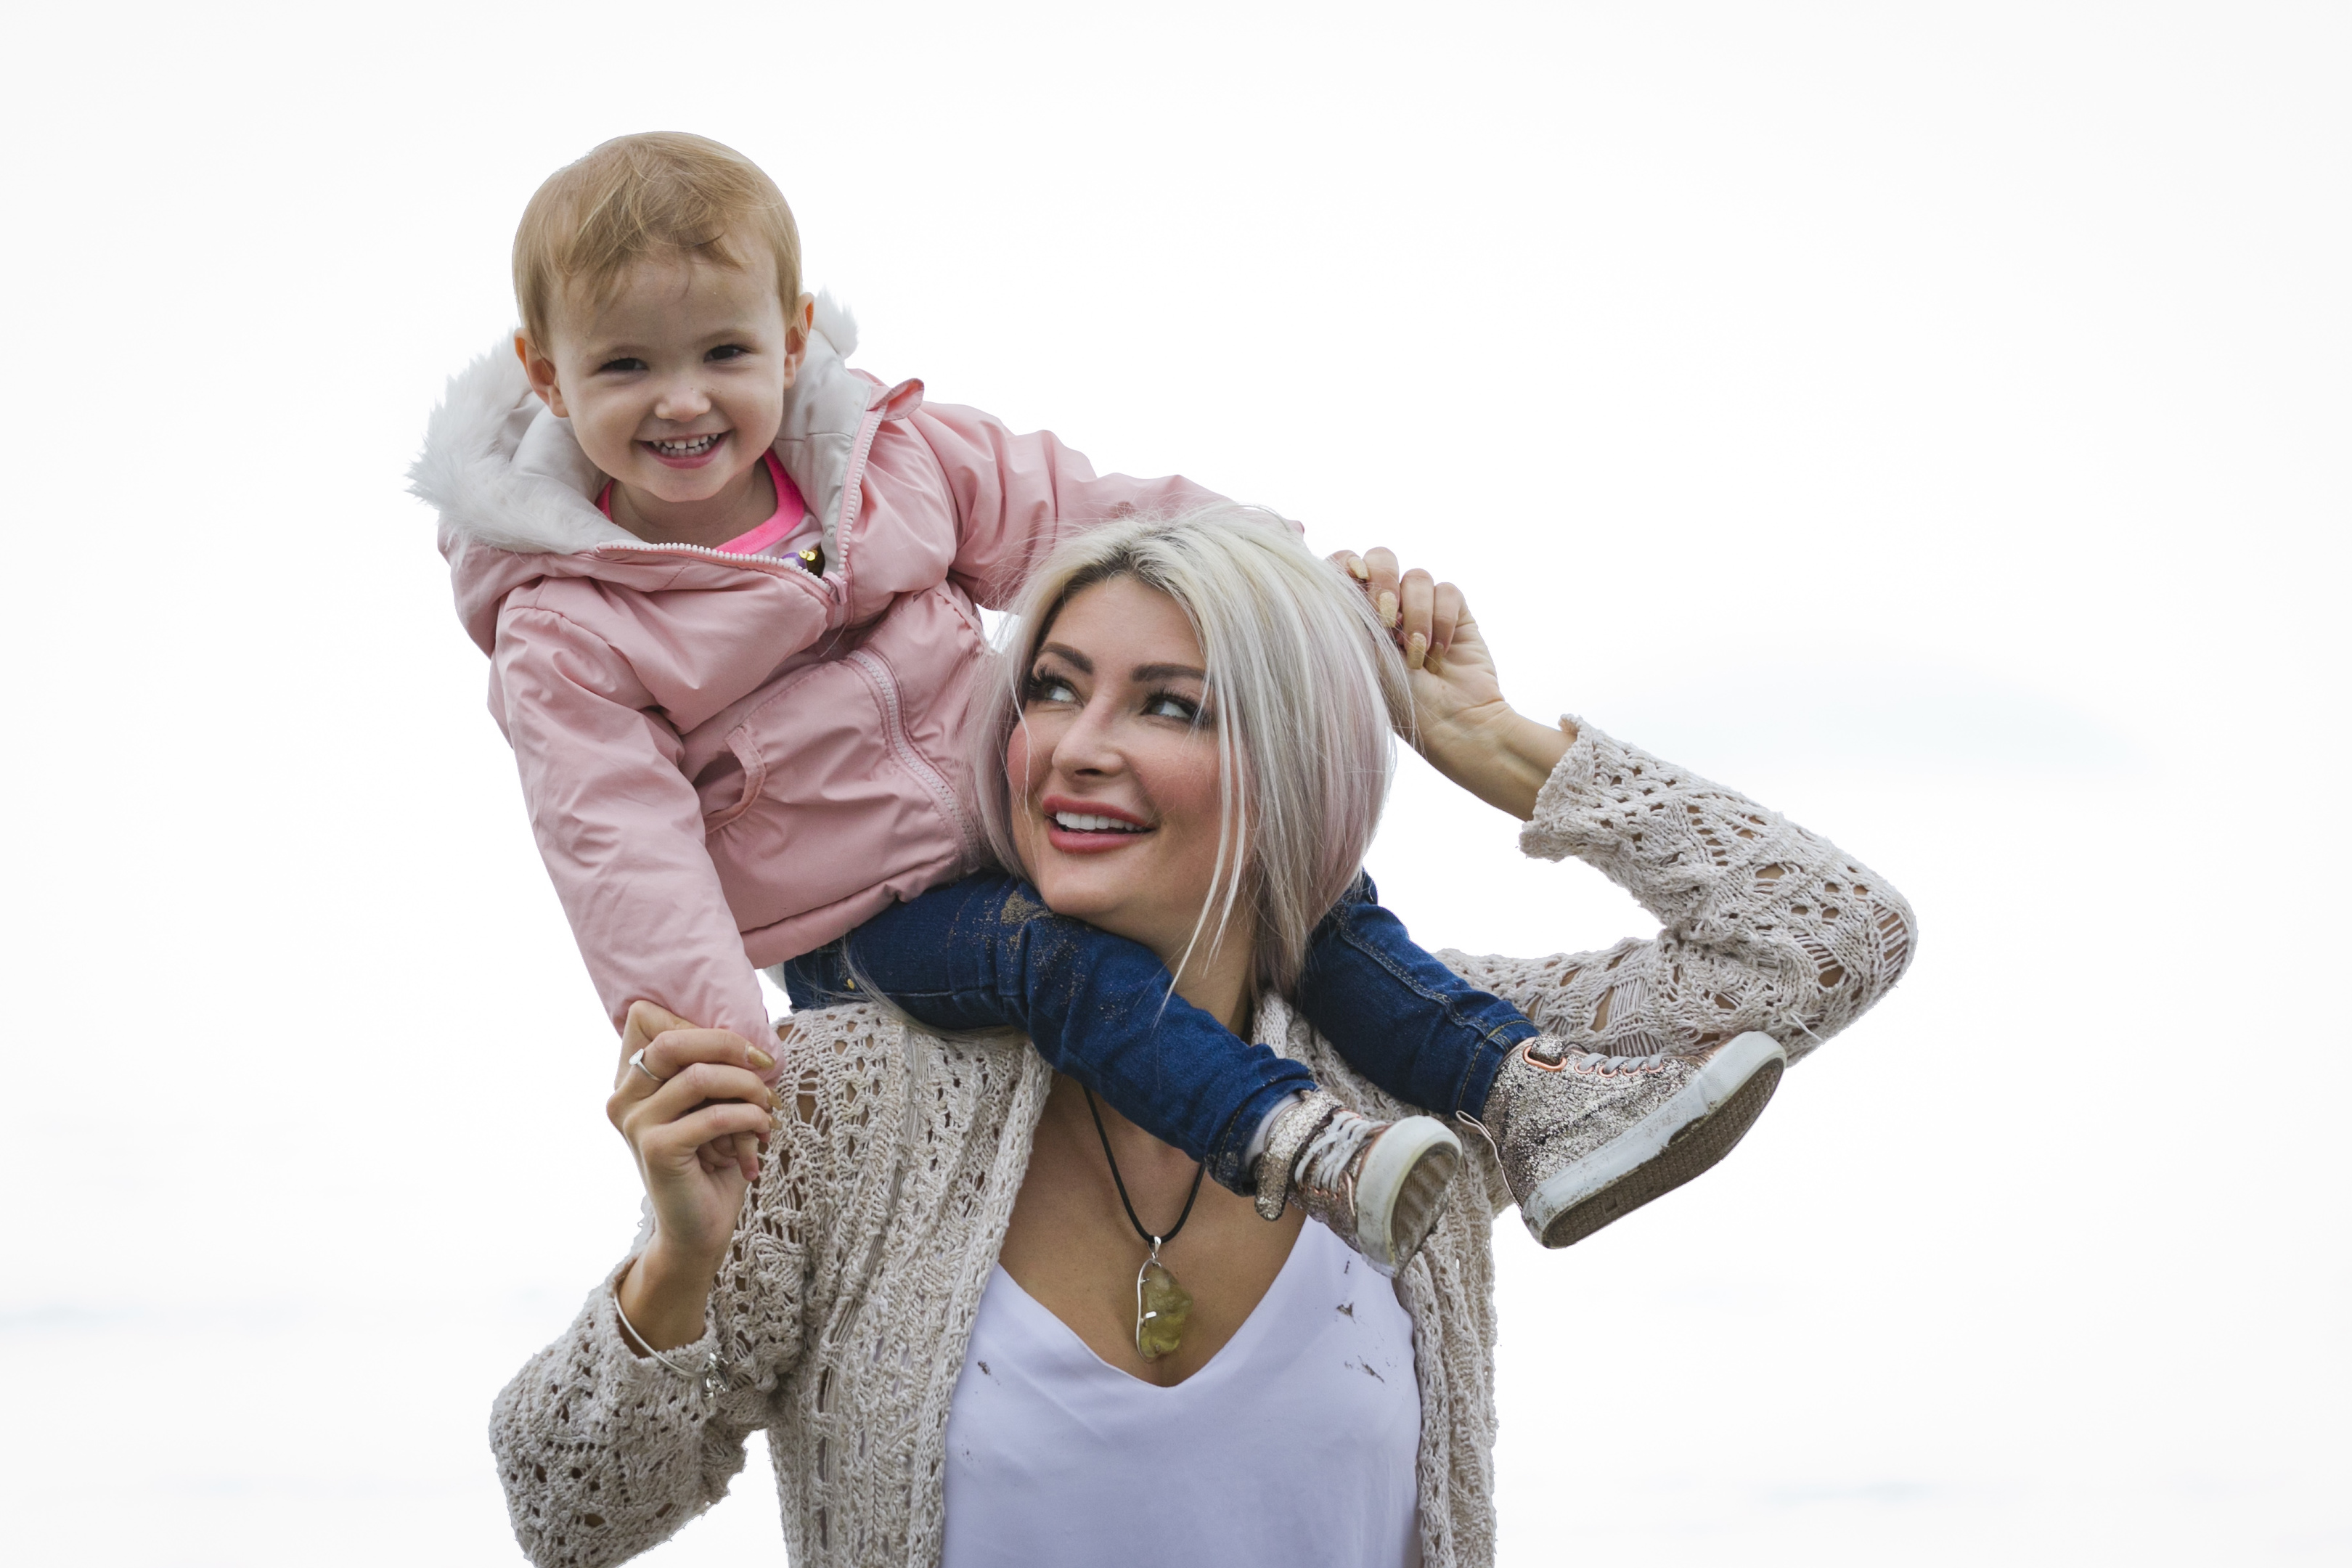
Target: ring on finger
{"type": "Point", "coordinates": [638, 1062]}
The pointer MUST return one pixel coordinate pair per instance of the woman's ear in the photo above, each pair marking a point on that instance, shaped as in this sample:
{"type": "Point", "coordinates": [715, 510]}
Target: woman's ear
{"type": "Point", "coordinates": [541, 372]}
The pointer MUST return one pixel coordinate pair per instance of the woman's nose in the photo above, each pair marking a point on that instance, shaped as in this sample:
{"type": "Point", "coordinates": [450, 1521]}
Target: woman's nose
{"type": "Point", "coordinates": [1089, 745]}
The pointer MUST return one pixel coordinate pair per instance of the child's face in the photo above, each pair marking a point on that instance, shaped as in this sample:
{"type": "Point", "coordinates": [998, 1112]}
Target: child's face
{"type": "Point", "coordinates": [675, 385]}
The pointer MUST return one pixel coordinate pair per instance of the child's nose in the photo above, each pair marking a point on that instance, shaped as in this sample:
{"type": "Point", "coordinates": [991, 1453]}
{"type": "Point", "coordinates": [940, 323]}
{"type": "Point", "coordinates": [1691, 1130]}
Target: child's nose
{"type": "Point", "coordinates": [682, 400]}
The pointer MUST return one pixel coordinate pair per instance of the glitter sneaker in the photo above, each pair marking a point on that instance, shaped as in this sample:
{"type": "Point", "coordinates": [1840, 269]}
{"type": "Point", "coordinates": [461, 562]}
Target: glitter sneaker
{"type": "Point", "coordinates": [1585, 1139]}
{"type": "Point", "coordinates": [1378, 1185]}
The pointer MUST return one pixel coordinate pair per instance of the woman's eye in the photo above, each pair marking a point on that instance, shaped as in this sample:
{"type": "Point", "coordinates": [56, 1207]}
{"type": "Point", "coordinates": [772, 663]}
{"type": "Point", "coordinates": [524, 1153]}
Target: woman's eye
{"type": "Point", "coordinates": [1167, 705]}
{"type": "Point", "coordinates": [620, 366]}
{"type": "Point", "coordinates": [1049, 688]}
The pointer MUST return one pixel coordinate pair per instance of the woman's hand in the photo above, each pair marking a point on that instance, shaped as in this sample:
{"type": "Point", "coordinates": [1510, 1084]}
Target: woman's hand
{"type": "Point", "coordinates": [695, 1134]}
{"type": "Point", "coordinates": [1461, 723]}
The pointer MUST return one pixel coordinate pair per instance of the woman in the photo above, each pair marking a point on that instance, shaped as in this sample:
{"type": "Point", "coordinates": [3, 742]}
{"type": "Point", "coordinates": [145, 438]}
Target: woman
{"type": "Point", "coordinates": [934, 1299]}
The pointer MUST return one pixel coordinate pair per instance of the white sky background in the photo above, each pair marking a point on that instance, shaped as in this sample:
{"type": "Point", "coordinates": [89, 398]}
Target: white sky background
{"type": "Point", "coordinates": [1932, 421]}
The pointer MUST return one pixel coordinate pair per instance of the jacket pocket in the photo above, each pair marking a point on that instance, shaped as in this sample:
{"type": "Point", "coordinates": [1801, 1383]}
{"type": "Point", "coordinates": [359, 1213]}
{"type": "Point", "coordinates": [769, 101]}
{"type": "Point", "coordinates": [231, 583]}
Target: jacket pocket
{"type": "Point", "coordinates": [830, 806]}
{"type": "Point", "coordinates": [750, 769]}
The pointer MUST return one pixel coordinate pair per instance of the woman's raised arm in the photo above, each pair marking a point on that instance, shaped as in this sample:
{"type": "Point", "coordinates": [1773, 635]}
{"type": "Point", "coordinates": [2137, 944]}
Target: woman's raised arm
{"type": "Point", "coordinates": [1766, 926]}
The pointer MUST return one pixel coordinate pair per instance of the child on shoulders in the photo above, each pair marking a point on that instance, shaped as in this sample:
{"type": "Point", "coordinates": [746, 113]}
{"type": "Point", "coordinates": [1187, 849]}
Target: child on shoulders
{"type": "Point", "coordinates": [728, 588]}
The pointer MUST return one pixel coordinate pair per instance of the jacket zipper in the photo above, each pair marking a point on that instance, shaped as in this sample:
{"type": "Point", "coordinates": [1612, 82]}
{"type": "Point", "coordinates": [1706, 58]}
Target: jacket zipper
{"type": "Point", "coordinates": [648, 547]}
{"type": "Point", "coordinates": [852, 477]}
{"type": "Point", "coordinates": [823, 587]}
{"type": "Point", "coordinates": [895, 730]}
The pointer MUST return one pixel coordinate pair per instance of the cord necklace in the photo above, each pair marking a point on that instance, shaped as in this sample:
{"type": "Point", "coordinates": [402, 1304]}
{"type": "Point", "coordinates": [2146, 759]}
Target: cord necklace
{"type": "Point", "coordinates": [1161, 1306]}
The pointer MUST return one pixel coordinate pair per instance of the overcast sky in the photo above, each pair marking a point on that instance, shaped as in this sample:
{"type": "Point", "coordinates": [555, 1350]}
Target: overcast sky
{"type": "Point", "coordinates": [1929, 420]}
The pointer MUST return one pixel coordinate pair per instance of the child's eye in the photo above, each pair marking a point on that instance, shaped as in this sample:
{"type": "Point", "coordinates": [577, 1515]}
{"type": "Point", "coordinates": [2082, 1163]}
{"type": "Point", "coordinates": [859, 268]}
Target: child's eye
{"type": "Point", "coordinates": [1167, 705]}
{"type": "Point", "coordinates": [1044, 688]}
{"type": "Point", "coordinates": [620, 366]}
{"type": "Point", "coordinates": [725, 352]}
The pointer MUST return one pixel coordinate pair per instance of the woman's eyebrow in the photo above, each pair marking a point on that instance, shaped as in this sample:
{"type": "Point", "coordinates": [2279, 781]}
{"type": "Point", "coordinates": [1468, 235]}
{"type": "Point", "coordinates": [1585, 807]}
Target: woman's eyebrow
{"type": "Point", "coordinates": [1167, 672]}
{"type": "Point", "coordinates": [1068, 655]}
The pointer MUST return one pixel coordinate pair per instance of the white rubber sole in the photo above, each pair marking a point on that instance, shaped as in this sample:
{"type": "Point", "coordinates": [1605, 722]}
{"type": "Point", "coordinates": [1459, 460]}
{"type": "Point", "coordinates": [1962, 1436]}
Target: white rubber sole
{"type": "Point", "coordinates": [1702, 1122]}
{"type": "Point", "coordinates": [1401, 1192]}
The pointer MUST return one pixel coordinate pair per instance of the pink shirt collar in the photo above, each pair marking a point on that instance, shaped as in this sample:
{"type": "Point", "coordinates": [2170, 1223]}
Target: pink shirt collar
{"type": "Point", "coordinates": [783, 523]}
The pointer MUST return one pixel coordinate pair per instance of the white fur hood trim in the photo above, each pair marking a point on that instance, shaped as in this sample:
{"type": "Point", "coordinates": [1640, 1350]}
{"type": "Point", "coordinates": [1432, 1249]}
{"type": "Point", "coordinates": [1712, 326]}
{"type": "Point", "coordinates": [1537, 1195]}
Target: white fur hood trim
{"type": "Point", "coordinates": [505, 472]}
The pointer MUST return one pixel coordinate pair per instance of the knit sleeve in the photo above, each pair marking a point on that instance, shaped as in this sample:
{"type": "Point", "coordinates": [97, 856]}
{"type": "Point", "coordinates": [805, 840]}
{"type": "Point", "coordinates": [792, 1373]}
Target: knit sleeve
{"type": "Point", "coordinates": [605, 1453]}
{"type": "Point", "coordinates": [1765, 925]}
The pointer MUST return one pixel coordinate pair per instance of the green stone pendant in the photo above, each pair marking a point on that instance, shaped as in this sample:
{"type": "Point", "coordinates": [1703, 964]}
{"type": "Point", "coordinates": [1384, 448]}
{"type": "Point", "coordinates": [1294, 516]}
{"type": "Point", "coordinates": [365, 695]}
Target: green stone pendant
{"type": "Point", "coordinates": [1161, 1307]}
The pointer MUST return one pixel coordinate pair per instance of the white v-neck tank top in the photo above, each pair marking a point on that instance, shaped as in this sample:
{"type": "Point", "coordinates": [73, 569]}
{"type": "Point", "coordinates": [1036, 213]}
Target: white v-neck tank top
{"type": "Point", "coordinates": [1294, 1446]}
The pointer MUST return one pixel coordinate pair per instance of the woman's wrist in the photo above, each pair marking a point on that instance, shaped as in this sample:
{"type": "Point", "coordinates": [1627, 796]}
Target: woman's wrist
{"type": "Point", "coordinates": [1503, 757]}
{"type": "Point", "coordinates": [664, 1297]}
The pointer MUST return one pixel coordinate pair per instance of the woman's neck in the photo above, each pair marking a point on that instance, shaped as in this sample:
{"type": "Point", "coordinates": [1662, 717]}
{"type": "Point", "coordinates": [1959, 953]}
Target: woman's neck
{"type": "Point", "coordinates": [1219, 984]}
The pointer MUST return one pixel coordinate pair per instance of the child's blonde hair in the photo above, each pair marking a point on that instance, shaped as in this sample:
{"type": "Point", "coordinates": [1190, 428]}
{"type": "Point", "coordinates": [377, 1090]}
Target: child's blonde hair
{"type": "Point", "coordinates": [638, 196]}
{"type": "Point", "coordinates": [1305, 688]}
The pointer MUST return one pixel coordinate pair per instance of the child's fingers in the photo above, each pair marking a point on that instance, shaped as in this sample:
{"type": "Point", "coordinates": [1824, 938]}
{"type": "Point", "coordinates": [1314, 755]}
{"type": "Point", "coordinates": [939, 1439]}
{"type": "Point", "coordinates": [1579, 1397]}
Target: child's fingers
{"type": "Point", "coordinates": [647, 1019]}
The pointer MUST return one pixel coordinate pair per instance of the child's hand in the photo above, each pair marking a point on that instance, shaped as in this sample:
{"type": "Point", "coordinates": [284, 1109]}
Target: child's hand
{"type": "Point", "coordinates": [1422, 612]}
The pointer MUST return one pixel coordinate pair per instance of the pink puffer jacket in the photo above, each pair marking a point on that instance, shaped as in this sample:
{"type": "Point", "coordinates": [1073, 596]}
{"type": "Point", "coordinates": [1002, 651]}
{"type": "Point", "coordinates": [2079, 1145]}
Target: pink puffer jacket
{"type": "Point", "coordinates": [729, 762]}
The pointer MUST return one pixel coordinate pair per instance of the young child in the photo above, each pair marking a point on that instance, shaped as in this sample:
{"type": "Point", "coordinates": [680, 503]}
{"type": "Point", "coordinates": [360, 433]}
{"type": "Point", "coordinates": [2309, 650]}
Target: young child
{"type": "Point", "coordinates": [726, 587]}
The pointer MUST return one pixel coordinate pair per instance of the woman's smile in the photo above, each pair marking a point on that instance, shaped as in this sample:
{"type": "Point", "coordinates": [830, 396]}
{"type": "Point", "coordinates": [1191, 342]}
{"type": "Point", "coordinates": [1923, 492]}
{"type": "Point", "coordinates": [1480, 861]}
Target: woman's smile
{"type": "Point", "coordinates": [1090, 827]}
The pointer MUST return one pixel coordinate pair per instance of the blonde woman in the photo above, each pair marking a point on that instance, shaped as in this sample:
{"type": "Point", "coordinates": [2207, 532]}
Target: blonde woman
{"type": "Point", "coordinates": [930, 1287]}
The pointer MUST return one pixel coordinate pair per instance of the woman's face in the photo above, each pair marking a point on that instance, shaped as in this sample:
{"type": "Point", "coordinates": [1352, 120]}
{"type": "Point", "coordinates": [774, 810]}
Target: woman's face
{"type": "Point", "coordinates": [1113, 769]}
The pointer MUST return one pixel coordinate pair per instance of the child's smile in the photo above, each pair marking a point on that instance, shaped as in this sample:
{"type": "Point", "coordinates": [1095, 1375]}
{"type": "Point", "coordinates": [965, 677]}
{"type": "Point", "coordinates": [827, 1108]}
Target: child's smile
{"type": "Point", "coordinates": [692, 453]}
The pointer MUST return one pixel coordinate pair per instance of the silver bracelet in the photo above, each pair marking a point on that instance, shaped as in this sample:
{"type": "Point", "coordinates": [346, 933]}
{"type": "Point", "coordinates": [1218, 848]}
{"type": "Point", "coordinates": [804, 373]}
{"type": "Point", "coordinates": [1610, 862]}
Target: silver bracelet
{"type": "Point", "coordinates": [647, 1345]}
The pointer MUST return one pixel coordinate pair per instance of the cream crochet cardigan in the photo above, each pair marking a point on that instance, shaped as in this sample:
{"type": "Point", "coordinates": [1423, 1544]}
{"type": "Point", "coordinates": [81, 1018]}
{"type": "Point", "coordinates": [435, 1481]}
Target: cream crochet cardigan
{"type": "Point", "coordinates": [841, 1316]}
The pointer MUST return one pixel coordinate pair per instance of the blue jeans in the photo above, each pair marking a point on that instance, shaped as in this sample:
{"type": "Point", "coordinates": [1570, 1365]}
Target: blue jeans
{"type": "Point", "coordinates": [986, 953]}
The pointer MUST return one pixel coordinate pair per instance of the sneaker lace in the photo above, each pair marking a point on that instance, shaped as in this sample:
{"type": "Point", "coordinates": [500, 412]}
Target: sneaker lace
{"type": "Point", "coordinates": [1327, 1163]}
{"type": "Point", "coordinates": [1610, 1066]}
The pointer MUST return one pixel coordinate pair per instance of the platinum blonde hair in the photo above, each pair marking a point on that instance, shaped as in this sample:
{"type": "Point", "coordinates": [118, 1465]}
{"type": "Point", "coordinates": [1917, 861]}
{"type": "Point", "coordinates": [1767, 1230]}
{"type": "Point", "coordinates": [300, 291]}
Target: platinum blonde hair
{"type": "Point", "coordinates": [1305, 691]}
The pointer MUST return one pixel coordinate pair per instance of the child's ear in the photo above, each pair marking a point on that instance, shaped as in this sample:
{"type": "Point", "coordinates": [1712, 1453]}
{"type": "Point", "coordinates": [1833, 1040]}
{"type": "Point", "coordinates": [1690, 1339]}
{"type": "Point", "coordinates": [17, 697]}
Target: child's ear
{"type": "Point", "coordinates": [797, 326]}
{"type": "Point", "coordinates": [541, 371]}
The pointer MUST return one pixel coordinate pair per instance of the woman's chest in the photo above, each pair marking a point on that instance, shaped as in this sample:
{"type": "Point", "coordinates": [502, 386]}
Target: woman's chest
{"type": "Point", "coordinates": [1295, 1442]}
